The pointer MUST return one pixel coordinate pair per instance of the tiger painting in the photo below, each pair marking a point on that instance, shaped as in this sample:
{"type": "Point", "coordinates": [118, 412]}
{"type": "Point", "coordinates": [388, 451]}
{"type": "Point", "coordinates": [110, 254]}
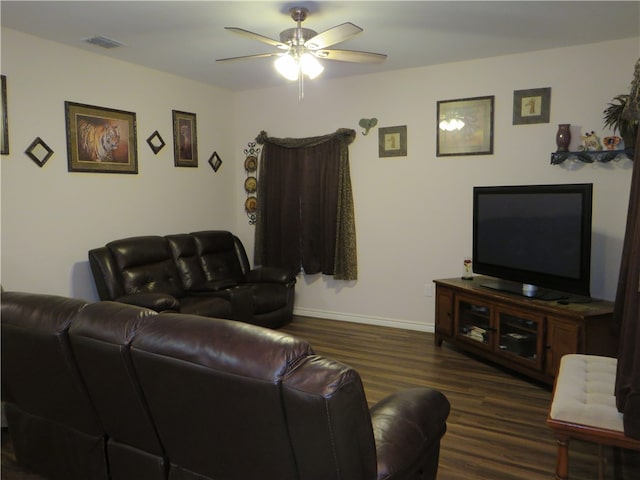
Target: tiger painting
{"type": "Point", "coordinates": [97, 142]}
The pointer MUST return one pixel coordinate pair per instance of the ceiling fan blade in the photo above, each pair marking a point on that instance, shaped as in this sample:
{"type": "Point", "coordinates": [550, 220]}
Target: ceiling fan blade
{"type": "Point", "coordinates": [334, 35]}
{"type": "Point", "coordinates": [350, 56]}
{"type": "Point", "coordinates": [257, 36]}
{"type": "Point", "coordinates": [245, 57]}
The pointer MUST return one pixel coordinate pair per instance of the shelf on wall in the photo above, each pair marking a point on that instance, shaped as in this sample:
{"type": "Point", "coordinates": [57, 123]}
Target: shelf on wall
{"type": "Point", "coordinates": [587, 156]}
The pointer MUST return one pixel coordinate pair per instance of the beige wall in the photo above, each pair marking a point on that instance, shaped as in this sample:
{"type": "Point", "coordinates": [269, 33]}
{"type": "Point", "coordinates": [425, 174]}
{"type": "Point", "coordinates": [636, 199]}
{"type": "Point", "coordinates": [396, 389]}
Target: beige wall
{"type": "Point", "coordinates": [51, 217]}
{"type": "Point", "coordinates": [413, 213]}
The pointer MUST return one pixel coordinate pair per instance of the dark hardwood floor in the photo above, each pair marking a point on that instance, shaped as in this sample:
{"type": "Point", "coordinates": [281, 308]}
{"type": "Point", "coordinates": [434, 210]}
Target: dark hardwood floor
{"type": "Point", "coordinates": [496, 428]}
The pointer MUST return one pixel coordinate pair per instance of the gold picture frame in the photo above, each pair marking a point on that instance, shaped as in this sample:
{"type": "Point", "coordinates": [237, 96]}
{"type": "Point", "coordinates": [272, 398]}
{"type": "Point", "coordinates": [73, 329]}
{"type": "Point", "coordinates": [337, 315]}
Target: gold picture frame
{"type": "Point", "coordinates": [465, 126]}
{"type": "Point", "coordinates": [185, 139]}
{"type": "Point", "coordinates": [100, 140]}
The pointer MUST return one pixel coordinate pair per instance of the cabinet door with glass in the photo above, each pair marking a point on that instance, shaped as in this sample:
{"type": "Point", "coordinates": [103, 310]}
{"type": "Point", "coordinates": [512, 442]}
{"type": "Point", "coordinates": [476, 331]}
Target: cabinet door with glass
{"type": "Point", "coordinates": [520, 336]}
{"type": "Point", "coordinates": [473, 321]}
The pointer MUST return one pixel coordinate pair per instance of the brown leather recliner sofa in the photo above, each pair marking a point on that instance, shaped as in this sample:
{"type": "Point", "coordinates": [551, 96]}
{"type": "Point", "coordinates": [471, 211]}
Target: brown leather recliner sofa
{"type": "Point", "coordinates": [119, 392]}
{"type": "Point", "coordinates": [203, 273]}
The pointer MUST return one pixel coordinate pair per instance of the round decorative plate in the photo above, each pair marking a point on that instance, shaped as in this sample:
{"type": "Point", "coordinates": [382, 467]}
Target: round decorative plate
{"type": "Point", "coordinates": [251, 184]}
{"type": "Point", "coordinates": [251, 164]}
{"type": "Point", "coordinates": [251, 204]}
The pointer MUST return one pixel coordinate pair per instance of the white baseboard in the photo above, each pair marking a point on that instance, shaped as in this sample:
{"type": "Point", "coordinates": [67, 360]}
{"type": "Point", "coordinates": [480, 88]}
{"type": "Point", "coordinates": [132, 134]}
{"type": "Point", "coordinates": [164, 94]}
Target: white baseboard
{"type": "Point", "coordinates": [367, 319]}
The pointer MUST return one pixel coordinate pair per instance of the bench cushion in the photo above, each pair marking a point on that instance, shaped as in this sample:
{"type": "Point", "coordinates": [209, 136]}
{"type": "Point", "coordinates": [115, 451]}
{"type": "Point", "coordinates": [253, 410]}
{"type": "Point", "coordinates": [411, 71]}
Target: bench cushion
{"type": "Point", "coordinates": [584, 392]}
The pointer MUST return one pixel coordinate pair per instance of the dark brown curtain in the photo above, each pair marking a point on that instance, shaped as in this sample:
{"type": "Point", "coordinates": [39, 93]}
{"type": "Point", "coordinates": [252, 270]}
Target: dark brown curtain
{"type": "Point", "coordinates": [627, 304]}
{"type": "Point", "coordinates": [305, 218]}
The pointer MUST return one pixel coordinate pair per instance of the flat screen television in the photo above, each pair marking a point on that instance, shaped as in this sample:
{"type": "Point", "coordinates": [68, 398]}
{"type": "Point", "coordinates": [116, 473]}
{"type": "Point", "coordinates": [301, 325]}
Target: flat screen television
{"type": "Point", "coordinates": [534, 239]}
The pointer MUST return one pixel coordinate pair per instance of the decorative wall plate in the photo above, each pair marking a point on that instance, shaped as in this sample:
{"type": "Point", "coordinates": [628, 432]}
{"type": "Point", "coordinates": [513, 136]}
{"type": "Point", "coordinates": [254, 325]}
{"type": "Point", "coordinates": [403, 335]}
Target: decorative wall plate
{"type": "Point", "coordinates": [251, 185]}
{"type": "Point", "coordinates": [251, 164]}
{"type": "Point", "coordinates": [251, 204]}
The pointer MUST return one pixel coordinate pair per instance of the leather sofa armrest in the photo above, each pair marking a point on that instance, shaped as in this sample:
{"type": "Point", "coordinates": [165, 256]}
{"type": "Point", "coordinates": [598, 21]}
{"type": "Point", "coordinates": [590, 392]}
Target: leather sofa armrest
{"type": "Point", "coordinates": [406, 425]}
{"type": "Point", "coordinates": [160, 302]}
{"type": "Point", "coordinates": [271, 275]}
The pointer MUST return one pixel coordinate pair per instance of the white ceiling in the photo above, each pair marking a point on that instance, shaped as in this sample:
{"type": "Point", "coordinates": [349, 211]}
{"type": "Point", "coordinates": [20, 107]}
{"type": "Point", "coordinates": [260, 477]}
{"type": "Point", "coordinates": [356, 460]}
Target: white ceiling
{"type": "Point", "coordinates": [186, 37]}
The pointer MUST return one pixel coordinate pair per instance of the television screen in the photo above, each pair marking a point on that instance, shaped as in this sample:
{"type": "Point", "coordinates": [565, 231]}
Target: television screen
{"type": "Point", "coordinates": [538, 235]}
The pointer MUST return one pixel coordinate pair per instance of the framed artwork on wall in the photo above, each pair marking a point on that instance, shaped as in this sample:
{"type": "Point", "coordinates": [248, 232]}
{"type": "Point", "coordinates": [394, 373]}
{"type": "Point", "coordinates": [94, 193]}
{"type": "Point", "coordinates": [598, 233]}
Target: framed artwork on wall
{"type": "Point", "coordinates": [155, 142]}
{"type": "Point", "coordinates": [39, 152]}
{"type": "Point", "coordinates": [531, 106]}
{"type": "Point", "coordinates": [465, 126]}
{"type": "Point", "coordinates": [101, 140]}
{"type": "Point", "coordinates": [4, 132]}
{"type": "Point", "coordinates": [215, 161]}
{"type": "Point", "coordinates": [392, 141]}
{"type": "Point", "coordinates": [185, 139]}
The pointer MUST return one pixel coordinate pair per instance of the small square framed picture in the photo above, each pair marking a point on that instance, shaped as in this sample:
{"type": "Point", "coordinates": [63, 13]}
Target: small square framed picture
{"type": "Point", "coordinates": [392, 141]}
{"type": "Point", "coordinates": [531, 106]}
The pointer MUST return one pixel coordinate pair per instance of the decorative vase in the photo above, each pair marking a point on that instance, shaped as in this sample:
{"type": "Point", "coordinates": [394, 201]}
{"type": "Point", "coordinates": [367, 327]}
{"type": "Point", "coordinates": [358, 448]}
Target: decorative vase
{"type": "Point", "coordinates": [563, 137]}
{"type": "Point", "coordinates": [467, 269]}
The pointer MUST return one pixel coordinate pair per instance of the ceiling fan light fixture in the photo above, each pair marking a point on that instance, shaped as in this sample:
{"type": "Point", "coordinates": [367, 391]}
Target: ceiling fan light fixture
{"type": "Point", "coordinates": [310, 66]}
{"type": "Point", "coordinates": [287, 67]}
{"type": "Point", "coordinates": [303, 47]}
{"type": "Point", "coordinates": [290, 68]}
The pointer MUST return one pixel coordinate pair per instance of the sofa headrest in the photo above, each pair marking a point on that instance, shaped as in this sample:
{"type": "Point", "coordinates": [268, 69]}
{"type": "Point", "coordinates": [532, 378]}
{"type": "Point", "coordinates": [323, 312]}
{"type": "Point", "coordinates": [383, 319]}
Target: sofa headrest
{"type": "Point", "coordinates": [185, 253]}
{"type": "Point", "coordinates": [39, 372]}
{"type": "Point", "coordinates": [100, 338]}
{"type": "Point", "coordinates": [135, 251]}
{"type": "Point", "coordinates": [217, 250]}
{"type": "Point", "coordinates": [232, 347]}
{"type": "Point", "coordinates": [45, 313]}
{"type": "Point", "coordinates": [212, 241]}
{"type": "Point", "coordinates": [146, 265]}
{"type": "Point", "coordinates": [110, 322]}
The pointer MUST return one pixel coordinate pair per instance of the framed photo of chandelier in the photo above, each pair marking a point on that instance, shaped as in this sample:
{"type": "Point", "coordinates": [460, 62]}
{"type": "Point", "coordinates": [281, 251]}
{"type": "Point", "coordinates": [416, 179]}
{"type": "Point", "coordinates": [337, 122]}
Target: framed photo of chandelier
{"type": "Point", "coordinates": [465, 126]}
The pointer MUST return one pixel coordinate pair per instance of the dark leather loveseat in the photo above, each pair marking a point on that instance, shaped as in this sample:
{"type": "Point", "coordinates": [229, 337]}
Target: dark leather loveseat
{"type": "Point", "coordinates": [203, 273]}
{"type": "Point", "coordinates": [109, 391]}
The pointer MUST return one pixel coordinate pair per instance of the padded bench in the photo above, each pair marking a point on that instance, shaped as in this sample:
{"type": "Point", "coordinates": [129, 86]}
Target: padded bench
{"type": "Point", "coordinates": [583, 407]}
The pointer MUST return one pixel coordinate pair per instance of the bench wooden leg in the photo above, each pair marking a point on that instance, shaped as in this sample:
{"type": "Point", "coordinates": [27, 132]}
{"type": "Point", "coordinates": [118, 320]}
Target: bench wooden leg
{"type": "Point", "coordinates": [600, 462]}
{"type": "Point", "coordinates": [562, 460]}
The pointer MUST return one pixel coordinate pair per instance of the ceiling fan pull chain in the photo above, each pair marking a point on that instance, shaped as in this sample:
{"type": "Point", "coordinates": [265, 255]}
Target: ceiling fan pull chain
{"type": "Point", "coordinates": [300, 84]}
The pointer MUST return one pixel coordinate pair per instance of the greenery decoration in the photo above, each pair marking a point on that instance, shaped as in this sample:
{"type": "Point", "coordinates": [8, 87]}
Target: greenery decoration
{"type": "Point", "coordinates": [614, 119]}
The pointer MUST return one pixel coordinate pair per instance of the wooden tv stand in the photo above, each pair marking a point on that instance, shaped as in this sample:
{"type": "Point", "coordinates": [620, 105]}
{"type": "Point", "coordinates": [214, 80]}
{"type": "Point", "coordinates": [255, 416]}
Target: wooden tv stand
{"type": "Point", "coordinates": [524, 334]}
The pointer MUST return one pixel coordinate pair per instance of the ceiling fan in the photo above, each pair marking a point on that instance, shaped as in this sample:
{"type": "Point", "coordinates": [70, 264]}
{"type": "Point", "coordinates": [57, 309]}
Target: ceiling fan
{"type": "Point", "coordinates": [302, 47]}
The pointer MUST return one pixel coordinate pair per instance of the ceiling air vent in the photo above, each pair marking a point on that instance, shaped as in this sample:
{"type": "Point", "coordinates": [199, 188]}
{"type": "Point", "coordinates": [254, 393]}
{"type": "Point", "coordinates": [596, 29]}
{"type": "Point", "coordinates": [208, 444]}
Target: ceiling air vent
{"type": "Point", "coordinates": [104, 42]}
